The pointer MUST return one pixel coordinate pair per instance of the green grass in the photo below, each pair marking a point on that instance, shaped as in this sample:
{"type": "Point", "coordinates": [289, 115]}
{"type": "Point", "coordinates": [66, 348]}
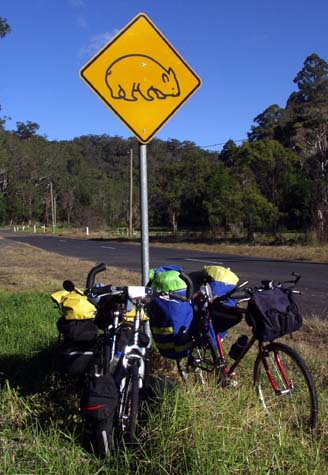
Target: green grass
{"type": "Point", "coordinates": [195, 430]}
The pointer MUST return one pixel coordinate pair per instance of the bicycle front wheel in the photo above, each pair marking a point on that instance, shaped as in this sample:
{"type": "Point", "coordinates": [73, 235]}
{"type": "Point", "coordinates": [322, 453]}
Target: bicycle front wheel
{"type": "Point", "coordinates": [285, 386]}
{"type": "Point", "coordinates": [129, 405]}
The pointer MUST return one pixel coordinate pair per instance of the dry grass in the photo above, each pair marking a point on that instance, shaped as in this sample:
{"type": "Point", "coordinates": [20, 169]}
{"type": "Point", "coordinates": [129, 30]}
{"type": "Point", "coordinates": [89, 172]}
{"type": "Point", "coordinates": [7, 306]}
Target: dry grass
{"type": "Point", "coordinates": [24, 267]}
{"type": "Point", "coordinates": [304, 253]}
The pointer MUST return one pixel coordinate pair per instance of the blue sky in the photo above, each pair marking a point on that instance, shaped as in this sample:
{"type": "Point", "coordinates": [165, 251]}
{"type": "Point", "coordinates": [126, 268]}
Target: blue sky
{"type": "Point", "coordinates": [247, 53]}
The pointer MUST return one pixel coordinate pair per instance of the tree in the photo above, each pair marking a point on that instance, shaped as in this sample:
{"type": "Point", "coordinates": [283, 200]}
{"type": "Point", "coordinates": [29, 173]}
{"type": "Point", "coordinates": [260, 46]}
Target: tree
{"type": "Point", "coordinates": [306, 131]}
{"type": "Point", "coordinates": [4, 27]}
{"type": "Point", "coordinates": [306, 115]}
{"type": "Point", "coordinates": [4, 30]}
{"type": "Point", "coordinates": [257, 212]}
{"type": "Point", "coordinates": [271, 165]}
{"type": "Point", "coordinates": [223, 201]}
{"type": "Point", "coordinates": [267, 124]}
{"type": "Point", "coordinates": [26, 130]}
{"type": "Point", "coordinates": [3, 120]}
{"type": "Point", "coordinates": [228, 154]}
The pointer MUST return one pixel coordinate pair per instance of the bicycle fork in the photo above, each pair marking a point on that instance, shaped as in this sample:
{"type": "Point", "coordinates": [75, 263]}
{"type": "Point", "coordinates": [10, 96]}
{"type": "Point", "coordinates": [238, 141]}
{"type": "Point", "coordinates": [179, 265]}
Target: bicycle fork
{"type": "Point", "coordinates": [280, 372]}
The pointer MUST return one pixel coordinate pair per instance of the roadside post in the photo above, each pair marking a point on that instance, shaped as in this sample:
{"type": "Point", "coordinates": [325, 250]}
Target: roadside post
{"type": "Point", "coordinates": [143, 80]}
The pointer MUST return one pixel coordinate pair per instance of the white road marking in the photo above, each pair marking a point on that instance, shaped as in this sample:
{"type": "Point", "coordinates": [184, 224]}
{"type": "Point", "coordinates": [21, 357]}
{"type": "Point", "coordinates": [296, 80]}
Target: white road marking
{"type": "Point", "coordinates": [202, 260]}
{"type": "Point", "coordinates": [108, 247]}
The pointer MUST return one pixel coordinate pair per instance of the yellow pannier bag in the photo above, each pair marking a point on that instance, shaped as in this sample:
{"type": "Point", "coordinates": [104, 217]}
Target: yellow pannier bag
{"type": "Point", "coordinates": [74, 305]}
{"type": "Point", "coordinates": [130, 315]}
{"type": "Point", "coordinates": [221, 274]}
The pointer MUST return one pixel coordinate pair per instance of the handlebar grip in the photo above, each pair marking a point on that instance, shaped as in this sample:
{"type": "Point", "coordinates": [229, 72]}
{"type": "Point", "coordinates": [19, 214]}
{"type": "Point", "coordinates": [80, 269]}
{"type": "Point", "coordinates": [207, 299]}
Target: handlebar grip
{"type": "Point", "coordinates": [92, 274]}
{"type": "Point", "coordinates": [190, 285]}
{"type": "Point", "coordinates": [68, 285]}
{"type": "Point", "coordinates": [105, 289]}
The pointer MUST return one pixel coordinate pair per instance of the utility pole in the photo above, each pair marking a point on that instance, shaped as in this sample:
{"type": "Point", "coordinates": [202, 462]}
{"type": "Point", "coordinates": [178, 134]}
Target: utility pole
{"type": "Point", "coordinates": [55, 211]}
{"type": "Point", "coordinates": [131, 196]}
{"type": "Point", "coordinates": [52, 208]}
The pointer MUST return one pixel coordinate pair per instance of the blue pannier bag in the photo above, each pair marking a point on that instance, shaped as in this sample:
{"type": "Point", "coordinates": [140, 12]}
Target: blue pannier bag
{"type": "Point", "coordinates": [222, 280]}
{"type": "Point", "coordinates": [170, 319]}
{"type": "Point", "coordinates": [170, 324]}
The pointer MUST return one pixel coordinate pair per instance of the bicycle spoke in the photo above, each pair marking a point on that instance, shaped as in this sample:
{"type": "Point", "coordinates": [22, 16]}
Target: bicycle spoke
{"type": "Point", "coordinates": [201, 365]}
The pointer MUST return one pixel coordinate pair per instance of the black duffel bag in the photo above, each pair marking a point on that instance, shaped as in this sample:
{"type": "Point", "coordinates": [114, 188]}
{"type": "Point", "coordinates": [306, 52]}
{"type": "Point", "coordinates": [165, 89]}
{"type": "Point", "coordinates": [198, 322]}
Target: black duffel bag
{"type": "Point", "coordinates": [273, 313]}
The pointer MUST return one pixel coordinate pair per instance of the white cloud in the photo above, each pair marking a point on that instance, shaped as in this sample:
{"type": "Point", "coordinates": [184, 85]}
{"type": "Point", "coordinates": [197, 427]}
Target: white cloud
{"type": "Point", "coordinates": [96, 43]}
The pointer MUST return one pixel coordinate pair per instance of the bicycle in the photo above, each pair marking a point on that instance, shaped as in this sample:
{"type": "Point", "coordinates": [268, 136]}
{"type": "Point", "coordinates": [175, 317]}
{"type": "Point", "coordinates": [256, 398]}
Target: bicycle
{"type": "Point", "coordinates": [122, 350]}
{"type": "Point", "coordinates": [282, 380]}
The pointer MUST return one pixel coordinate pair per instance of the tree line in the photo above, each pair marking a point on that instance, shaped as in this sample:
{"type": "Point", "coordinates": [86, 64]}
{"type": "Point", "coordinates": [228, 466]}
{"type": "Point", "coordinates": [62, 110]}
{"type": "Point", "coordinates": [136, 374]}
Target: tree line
{"type": "Point", "coordinates": [276, 180]}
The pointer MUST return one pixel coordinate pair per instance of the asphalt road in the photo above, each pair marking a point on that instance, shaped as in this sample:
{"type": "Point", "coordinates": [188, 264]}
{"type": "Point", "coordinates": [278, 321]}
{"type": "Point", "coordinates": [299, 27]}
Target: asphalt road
{"type": "Point", "coordinates": [313, 284]}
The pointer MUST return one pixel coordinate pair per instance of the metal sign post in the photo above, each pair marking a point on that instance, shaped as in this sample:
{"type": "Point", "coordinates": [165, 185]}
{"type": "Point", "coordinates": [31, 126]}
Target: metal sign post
{"type": "Point", "coordinates": [144, 213]}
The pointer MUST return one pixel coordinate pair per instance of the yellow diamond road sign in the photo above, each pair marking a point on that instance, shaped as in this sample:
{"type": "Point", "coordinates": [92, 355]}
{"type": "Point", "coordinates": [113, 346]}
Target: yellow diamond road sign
{"type": "Point", "coordinates": [141, 78]}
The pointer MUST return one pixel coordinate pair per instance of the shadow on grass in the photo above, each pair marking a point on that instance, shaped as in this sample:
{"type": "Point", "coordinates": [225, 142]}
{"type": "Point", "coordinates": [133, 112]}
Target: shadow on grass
{"type": "Point", "coordinates": [55, 399]}
{"type": "Point", "coordinates": [29, 375]}
{"type": "Point", "coordinates": [51, 398]}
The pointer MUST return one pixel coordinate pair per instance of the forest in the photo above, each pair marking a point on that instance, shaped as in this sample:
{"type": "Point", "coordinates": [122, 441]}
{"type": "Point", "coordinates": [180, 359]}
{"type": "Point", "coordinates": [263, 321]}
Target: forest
{"type": "Point", "coordinates": [273, 182]}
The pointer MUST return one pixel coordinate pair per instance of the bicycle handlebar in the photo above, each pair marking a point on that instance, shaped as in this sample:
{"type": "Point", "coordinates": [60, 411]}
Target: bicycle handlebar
{"type": "Point", "coordinates": [238, 293]}
{"type": "Point", "coordinates": [133, 292]}
{"type": "Point", "coordinates": [189, 283]}
{"type": "Point", "coordinates": [92, 274]}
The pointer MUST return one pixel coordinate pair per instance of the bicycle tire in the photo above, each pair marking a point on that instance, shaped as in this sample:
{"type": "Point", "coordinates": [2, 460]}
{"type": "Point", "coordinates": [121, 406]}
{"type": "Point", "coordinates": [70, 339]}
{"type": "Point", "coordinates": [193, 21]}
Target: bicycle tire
{"type": "Point", "coordinates": [202, 361]}
{"type": "Point", "coordinates": [295, 404]}
{"type": "Point", "coordinates": [130, 405]}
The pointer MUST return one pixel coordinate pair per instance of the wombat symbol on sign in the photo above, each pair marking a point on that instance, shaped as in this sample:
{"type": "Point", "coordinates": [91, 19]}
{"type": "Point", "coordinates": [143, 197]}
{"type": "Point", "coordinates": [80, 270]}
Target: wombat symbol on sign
{"type": "Point", "coordinates": [137, 73]}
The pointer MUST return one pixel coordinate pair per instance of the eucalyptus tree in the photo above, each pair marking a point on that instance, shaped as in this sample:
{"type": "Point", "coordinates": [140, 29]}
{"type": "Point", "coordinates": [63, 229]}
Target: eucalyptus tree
{"type": "Point", "coordinates": [26, 130]}
{"type": "Point", "coordinates": [4, 30]}
{"type": "Point", "coordinates": [267, 124]}
{"type": "Point", "coordinates": [4, 27]}
{"type": "Point", "coordinates": [305, 123]}
{"type": "Point", "coordinates": [228, 154]}
{"type": "Point", "coordinates": [272, 166]}
{"type": "Point", "coordinates": [178, 177]}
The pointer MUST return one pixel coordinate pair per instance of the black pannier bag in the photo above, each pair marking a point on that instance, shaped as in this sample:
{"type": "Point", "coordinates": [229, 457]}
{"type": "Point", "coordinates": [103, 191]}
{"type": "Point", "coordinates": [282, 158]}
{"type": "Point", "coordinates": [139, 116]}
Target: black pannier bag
{"type": "Point", "coordinates": [273, 313]}
{"type": "Point", "coordinates": [77, 347]}
{"type": "Point", "coordinates": [224, 316]}
{"type": "Point", "coordinates": [77, 331]}
{"type": "Point", "coordinates": [98, 405]}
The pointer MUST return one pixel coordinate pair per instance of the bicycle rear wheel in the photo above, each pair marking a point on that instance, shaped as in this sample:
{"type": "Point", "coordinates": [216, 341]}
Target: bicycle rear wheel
{"type": "Point", "coordinates": [129, 405]}
{"type": "Point", "coordinates": [285, 386]}
{"type": "Point", "coordinates": [201, 363]}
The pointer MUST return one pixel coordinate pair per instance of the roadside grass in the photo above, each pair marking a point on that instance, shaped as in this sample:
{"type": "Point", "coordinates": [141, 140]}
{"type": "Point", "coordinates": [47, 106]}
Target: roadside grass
{"type": "Point", "coordinates": [196, 430]}
{"type": "Point", "coordinates": [296, 252]}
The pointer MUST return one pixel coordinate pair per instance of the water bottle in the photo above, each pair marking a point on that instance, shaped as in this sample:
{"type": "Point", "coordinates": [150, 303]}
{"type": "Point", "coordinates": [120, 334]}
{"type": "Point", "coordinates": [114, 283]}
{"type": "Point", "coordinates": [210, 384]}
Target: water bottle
{"type": "Point", "coordinates": [237, 348]}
